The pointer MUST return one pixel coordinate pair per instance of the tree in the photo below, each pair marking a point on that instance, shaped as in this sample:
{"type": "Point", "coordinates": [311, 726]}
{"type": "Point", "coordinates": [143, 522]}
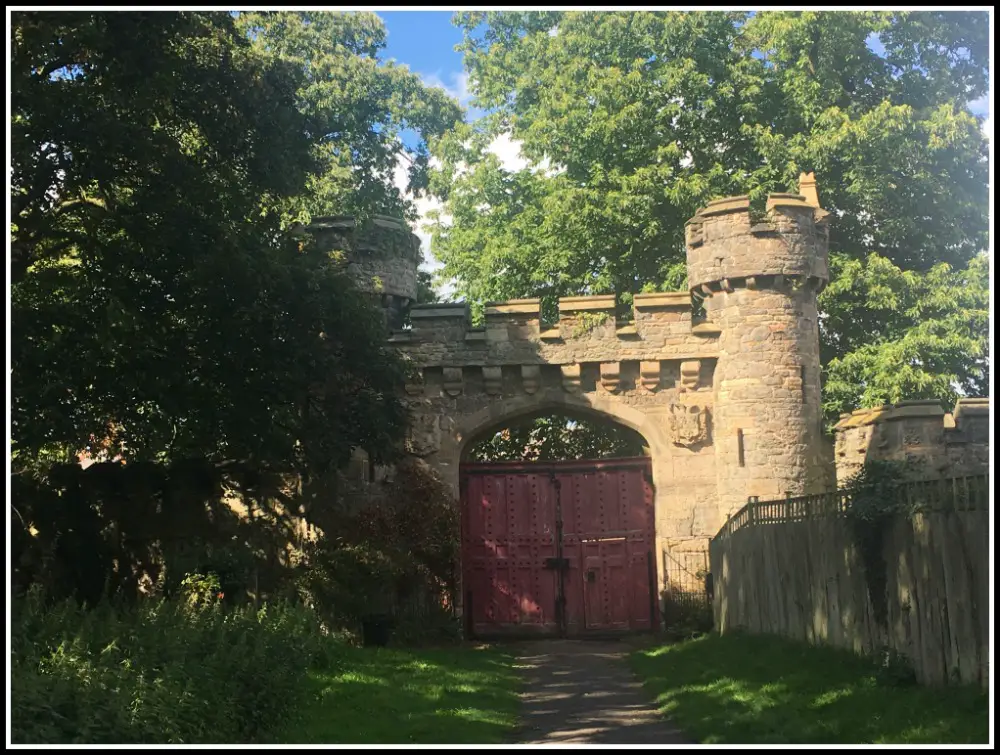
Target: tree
{"type": "Point", "coordinates": [157, 301]}
{"type": "Point", "coordinates": [633, 120]}
{"type": "Point", "coordinates": [357, 105]}
{"type": "Point", "coordinates": [556, 437]}
{"type": "Point", "coordinates": [425, 288]}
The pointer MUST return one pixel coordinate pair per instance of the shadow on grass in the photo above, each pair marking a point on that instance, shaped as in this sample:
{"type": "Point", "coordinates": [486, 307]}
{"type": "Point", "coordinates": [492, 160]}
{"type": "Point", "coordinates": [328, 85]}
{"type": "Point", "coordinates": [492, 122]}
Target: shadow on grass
{"type": "Point", "coordinates": [458, 695]}
{"type": "Point", "coordinates": [750, 689]}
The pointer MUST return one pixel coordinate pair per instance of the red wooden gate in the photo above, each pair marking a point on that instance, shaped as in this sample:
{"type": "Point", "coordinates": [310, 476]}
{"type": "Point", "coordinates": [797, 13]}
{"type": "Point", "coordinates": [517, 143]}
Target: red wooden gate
{"type": "Point", "coordinates": [561, 548]}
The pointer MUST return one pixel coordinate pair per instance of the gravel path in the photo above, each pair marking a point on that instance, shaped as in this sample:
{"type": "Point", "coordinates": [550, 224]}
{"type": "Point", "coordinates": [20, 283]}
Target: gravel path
{"type": "Point", "coordinates": [582, 691]}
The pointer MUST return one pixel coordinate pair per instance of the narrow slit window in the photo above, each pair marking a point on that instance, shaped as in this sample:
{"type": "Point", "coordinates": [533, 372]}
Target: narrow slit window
{"type": "Point", "coordinates": [739, 447]}
{"type": "Point", "coordinates": [802, 376]}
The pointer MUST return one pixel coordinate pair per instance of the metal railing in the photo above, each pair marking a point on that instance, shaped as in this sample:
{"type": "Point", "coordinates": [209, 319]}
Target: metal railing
{"type": "Point", "coordinates": [970, 493]}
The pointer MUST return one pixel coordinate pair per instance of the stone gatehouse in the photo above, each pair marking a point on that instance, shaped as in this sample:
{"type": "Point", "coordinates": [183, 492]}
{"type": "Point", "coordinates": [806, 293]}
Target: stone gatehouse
{"type": "Point", "coordinates": [722, 381]}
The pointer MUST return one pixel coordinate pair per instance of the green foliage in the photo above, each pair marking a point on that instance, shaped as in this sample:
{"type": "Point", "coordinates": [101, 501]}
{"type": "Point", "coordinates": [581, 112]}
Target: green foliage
{"type": "Point", "coordinates": [894, 669]}
{"type": "Point", "coordinates": [425, 288]}
{"type": "Point", "coordinates": [557, 437]}
{"type": "Point", "coordinates": [395, 555]}
{"type": "Point", "coordinates": [163, 673]}
{"type": "Point", "coordinates": [686, 617]}
{"type": "Point", "coordinates": [587, 322]}
{"type": "Point", "coordinates": [159, 306]}
{"type": "Point", "coordinates": [904, 335]}
{"type": "Point", "coordinates": [356, 104]}
{"type": "Point", "coordinates": [201, 589]}
{"type": "Point", "coordinates": [876, 499]}
{"type": "Point", "coordinates": [740, 688]}
{"type": "Point", "coordinates": [630, 121]}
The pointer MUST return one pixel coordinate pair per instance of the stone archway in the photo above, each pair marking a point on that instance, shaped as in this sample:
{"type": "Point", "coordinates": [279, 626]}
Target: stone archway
{"type": "Point", "coordinates": [728, 399]}
{"type": "Point", "coordinates": [563, 548]}
{"type": "Point", "coordinates": [664, 392]}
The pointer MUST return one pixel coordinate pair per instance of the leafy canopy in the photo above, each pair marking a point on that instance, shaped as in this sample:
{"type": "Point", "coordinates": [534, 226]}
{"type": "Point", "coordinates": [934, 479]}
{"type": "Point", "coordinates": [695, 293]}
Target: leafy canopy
{"type": "Point", "coordinates": [159, 306]}
{"type": "Point", "coordinates": [633, 120]}
{"type": "Point", "coordinates": [557, 437]}
{"type": "Point", "coordinates": [357, 105]}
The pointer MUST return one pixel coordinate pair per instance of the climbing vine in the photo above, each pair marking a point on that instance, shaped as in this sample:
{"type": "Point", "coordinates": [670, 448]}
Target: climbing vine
{"type": "Point", "coordinates": [588, 321]}
{"type": "Point", "coordinates": [876, 498]}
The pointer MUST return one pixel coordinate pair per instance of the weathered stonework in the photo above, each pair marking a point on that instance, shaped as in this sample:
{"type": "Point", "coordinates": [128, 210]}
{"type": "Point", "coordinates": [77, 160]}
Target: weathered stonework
{"type": "Point", "coordinates": [759, 284]}
{"type": "Point", "coordinates": [382, 257]}
{"type": "Point", "coordinates": [728, 405]}
{"type": "Point", "coordinates": [943, 444]}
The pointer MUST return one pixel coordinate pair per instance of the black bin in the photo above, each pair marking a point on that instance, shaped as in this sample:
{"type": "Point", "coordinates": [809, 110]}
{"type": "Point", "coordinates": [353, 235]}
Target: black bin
{"type": "Point", "coordinates": [375, 630]}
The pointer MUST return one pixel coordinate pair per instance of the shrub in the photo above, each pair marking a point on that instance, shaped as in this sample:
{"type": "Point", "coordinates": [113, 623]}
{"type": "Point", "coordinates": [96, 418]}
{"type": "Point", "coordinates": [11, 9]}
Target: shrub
{"type": "Point", "coordinates": [167, 672]}
{"type": "Point", "coordinates": [395, 555]}
{"type": "Point", "coordinates": [686, 615]}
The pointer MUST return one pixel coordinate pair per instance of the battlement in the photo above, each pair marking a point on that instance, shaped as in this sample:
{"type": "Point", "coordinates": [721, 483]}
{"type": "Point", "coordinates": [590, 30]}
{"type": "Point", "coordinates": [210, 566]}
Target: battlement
{"type": "Point", "coordinates": [513, 333]}
{"type": "Point", "coordinates": [656, 316]}
{"type": "Point", "coordinates": [382, 256]}
{"type": "Point", "coordinates": [728, 249]}
{"type": "Point", "coordinates": [954, 442]}
{"type": "Point", "coordinates": [381, 237]}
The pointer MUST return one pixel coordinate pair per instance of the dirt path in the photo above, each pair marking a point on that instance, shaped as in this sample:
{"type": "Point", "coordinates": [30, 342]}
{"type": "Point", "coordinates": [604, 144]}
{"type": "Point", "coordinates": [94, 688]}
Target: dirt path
{"type": "Point", "coordinates": [582, 691]}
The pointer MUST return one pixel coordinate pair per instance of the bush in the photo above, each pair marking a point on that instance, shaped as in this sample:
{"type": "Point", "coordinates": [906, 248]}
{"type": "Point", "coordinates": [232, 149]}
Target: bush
{"type": "Point", "coordinates": [167, 672]}
{"type": "Point", "coordinates": [686, 615]}
{"type": "Point", "coordinates": [395, 555]}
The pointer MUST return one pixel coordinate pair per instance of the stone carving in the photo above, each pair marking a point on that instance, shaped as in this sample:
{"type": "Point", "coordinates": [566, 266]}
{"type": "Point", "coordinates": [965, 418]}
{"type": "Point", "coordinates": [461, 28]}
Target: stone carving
{"type": "Point", "coordinates": [610, 376]}
{"type": "Point", "coordinates": [492, 380]}
{"type": "Point", "coordinates": [452, 380]}
{"type": "Point", "coordinates": [530, 377]}
{"type": "Point", "coordinates": [649, 376]}
{"type": "Point", "coordinates": [571, 378]}
{"type": "Point", "coordinates": [690, 372]}
{"type": "Point", "coordinates": [414, 385]}
{"type": "Point", "coordinates": [688, 424]}
{"type": "Point", "coordinates": [425, 435]}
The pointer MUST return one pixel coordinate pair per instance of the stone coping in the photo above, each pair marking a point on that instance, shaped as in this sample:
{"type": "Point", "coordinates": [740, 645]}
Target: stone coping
{"type": "Point", "coordinates": [923, 408]}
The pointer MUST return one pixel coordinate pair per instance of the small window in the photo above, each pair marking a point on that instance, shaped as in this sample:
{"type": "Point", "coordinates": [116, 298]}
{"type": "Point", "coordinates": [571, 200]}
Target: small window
{"type": "Point", "coordinates": [739, 447]}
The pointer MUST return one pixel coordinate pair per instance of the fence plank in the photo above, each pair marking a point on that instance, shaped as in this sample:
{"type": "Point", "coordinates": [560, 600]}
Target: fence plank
{"type": "Point", "coordinates": [791, 567]}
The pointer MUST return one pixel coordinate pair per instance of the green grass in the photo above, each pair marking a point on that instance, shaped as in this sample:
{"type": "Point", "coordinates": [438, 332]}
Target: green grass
{"type": "Point", "coordinates": [458, 695]}
{"type": "Point", "coordinates": [745, 689]}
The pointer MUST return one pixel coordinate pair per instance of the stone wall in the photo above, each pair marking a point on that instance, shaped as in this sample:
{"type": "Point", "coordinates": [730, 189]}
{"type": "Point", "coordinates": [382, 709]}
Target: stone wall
{"type": "Point", "coordinates": [945, 444]}
{"type": "Point", "coordinates": [382, 256]}
{"type": "Point", "coordinates": [759, 282]}
{"type": "Point", "coordinates": [728, 404]}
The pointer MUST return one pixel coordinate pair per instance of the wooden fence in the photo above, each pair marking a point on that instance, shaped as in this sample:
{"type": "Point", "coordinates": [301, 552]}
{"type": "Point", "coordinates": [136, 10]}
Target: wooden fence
{"type": "Point", "coordinates": [792, 567]}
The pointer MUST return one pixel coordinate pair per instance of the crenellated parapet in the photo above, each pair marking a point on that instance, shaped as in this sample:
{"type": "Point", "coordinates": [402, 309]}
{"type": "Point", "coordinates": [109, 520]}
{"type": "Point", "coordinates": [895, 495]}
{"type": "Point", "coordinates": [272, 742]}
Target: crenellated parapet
{"type": "Point", "coordinates": [942, 443]}
{"type": "Point", "coordinates": [587, 332]}
{"type": "Point", "coordinates": [727, 249]}
{"type": "Point", "coordinates": [382, 256]}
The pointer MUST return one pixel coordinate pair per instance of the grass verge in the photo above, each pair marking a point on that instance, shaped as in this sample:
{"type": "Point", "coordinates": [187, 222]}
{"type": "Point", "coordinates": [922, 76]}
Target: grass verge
{"type": "Point", "coordinates": [750, 689]}
{"type": "Point", "coordinates": [459, 695]}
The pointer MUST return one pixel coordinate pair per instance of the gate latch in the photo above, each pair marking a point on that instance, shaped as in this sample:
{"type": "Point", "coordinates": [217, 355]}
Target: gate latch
{"type": "Point", "coordinates": [557, 563]}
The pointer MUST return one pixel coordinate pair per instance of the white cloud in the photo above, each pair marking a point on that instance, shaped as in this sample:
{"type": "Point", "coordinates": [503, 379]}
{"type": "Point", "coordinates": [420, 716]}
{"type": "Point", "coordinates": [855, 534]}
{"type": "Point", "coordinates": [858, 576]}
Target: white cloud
{"type": "Point", "coordinates": [458, 89]}
{"type": "Point", "coordinates": [980, 106]}
{"type": "Point", "coordinates": [509, 152]}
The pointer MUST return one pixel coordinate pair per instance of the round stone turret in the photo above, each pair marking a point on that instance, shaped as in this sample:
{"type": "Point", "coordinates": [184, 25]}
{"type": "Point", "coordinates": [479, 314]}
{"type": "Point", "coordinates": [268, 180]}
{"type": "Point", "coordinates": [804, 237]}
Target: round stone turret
{"type": "Point", "coordinates": [382, 257]}
{"type": "Point", "coordinates": [758, 280]}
